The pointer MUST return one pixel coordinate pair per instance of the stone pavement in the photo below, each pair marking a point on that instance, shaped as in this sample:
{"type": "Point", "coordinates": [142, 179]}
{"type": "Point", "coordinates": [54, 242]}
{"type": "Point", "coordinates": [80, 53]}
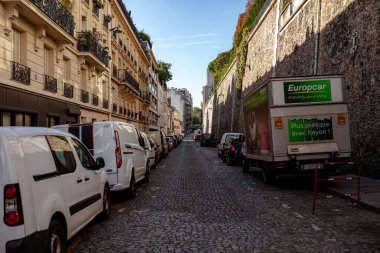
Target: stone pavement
{"type": "Point", "coordinates": [369, 191]}
{"type": "Point", "coordinates": [196, 203]}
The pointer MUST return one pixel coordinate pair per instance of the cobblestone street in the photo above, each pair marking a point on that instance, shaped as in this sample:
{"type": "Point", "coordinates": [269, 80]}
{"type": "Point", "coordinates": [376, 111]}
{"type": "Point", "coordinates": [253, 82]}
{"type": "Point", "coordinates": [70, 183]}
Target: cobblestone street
{"type": "Point", "coordinates": [196, 203]}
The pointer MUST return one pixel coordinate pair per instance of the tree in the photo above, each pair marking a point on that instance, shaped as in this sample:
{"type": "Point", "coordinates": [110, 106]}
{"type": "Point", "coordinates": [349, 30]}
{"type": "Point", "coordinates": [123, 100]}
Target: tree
{"type": "Point", "coordinates": [197, 116]}
{"type": "Point", "coordinates": [145, 37]}
{"type": "Point", "coordinates": [164, 73]}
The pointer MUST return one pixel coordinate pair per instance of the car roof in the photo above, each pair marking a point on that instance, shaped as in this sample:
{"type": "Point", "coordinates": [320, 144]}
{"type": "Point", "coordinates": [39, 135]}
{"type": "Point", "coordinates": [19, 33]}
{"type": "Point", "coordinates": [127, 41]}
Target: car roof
{"type": "Point", "coordinates": [31, 131]}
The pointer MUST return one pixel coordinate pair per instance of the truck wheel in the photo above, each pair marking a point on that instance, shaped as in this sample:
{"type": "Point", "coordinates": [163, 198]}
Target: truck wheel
{"type": "Point", "coordinates": [56, 238]}
{"type": "Point", "coordinates": [131, 191]}
{"type": "Point", "coordinates": [245, 164]}
{"type": "Point", "coordinates": [269, 176]}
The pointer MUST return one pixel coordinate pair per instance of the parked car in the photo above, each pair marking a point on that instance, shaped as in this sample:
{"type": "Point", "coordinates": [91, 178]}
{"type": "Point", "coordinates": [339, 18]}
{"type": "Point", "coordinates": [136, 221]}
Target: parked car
{"type": "Point", "coordinates": [206, 140]}
{"type": "Point", "coordinates": [157, 151]}
{"type": "Point", "coordinates": [232, 151]}
{"type": "Point", "coordinates": [175, 141]}
{"type": "Point", "coordinates": [51, 188]}
{"type": "Point", "coordinates": [160, 138]}
{"type": "Point", "coordinates": [149, 151]}
{"type": "Point", "coordinates": [121, 146]}
{"type": "Point", "coordinates": [170, 142]}
{"type": "Point", "coordinates": [224, 140]}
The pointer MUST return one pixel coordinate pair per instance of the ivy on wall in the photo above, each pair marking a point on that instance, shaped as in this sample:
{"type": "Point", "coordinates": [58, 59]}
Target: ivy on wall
{"type": "Point", "coordinates": [221, 64]}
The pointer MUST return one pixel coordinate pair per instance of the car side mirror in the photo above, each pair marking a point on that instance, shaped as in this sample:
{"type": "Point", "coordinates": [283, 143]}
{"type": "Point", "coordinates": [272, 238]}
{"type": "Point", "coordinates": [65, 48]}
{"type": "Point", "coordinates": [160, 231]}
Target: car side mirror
{"type": "Point", "coordinates": [99, 163]}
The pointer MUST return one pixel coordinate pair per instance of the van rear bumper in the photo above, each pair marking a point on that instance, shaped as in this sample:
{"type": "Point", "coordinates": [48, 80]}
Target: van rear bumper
{"type": "Point", "coordinates": [35, 242]}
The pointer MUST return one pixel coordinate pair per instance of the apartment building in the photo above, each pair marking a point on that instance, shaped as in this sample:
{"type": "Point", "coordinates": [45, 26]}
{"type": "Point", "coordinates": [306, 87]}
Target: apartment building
{"type": "Point", "coordinates": [81, 62]}
{"type": "Point", "coordinates": [182, 101]}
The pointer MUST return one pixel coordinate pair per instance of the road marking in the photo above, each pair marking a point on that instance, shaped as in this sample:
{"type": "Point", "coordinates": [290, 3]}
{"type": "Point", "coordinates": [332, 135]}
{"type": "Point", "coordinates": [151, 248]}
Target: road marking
{"type": "Point", "coordinates": [316, 228]}
{"type": "Point", "coordinates": [285, 206]}
{"type": "Point", "coordinates": [121, 210]}
{"type": "Point", "coordinates": [298, 215]}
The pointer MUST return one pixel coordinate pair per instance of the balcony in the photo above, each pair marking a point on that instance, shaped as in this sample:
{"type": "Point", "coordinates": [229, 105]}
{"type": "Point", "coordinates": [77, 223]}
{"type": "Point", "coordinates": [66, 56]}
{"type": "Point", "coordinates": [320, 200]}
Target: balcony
{"type": "Point", "coordinates": [95, 100]}
{"type": "Point", "coordinates": [50, 84]}
{"type": "Point", "coordinates": [20, 73]}
{"type": "Point", "coordinates": [105, 103]}
{"type": "Point", "coordinates": [92, 51]}
{"type": "Point", "coordinates": [84, 96]}
{"type": "Point", "coordinates": [127, 78]}
{"type": "Point", "coordinates": [50, 15]}
{"type": "Point", "coordinates": [144, 95]}
{"type": "Point", "coordinates": [68, 90]}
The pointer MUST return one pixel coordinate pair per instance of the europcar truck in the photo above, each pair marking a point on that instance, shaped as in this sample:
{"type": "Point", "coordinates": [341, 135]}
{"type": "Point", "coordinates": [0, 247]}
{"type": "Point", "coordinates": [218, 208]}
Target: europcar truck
{"type": "Point", "coordinates": [291, 125]}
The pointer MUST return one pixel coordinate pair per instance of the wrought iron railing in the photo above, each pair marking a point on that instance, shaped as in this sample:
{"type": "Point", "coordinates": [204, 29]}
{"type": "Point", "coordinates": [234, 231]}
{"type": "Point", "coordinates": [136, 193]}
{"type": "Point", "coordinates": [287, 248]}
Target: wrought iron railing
{"type": "Point", "coordinates": [88, 42]}
{"type": "Point", "coordinates": [105, 103]}
{"type": "Point", "coordinates": [84, 96]}
{"type": "Point", "coordinates": [50, 84]}
{"type": "Point", "coordinates": [127, 77]}
{"type": "Point", "coordinates": [20, 73]}
{"type": "Point", "coordinates": [144, 95]}
{"type": "Point", "coordinates": [68, 90]}
{"type": "Point", "coordinates": [114, 107]}
{"type": "Point", "coordinates": [95, 100]}
{"type": "Point", "coordinates": [58, 13]}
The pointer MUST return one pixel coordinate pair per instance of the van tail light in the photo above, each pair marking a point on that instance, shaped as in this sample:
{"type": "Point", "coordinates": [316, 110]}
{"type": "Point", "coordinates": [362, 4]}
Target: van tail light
{"type": "Point", "coordinates": [12, 205]}
{"type": "Point", "coordinates": [232, 149]}
{"type": "Point", "coordinates": [119, 159]}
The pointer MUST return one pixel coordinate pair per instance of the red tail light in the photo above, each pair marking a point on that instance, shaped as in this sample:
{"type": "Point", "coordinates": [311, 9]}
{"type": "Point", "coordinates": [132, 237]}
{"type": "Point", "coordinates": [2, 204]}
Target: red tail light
{"type": "Point", "coordinates": [232, 149]}
{"type": "Point", "coordinates": [119, 159]}
{"type": "Point", "coordinates": [280, 165]}
{"type": "Point", "coordinates": [12, 205]}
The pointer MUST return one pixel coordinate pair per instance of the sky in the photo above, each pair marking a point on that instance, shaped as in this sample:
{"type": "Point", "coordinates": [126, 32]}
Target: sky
{"type": "Point", "coordinates": [188, 34]}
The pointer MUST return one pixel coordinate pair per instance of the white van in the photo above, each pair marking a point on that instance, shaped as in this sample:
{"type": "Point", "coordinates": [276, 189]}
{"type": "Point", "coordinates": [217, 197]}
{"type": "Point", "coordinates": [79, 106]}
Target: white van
{"type": "Point", "coordinates": [122, 148]}
{"type": "Point", "coordinates": [50, 188]}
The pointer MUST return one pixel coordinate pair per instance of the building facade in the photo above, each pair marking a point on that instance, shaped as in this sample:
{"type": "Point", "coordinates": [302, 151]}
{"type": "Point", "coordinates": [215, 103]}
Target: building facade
{"type": "Point", "coordinates": [77, 63]}
{"type": "Point", "coordinates": [181, 99]}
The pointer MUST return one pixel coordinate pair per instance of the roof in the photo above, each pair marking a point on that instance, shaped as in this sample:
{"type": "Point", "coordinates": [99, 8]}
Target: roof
{"type": "Point", "coordinates": [30, 131]}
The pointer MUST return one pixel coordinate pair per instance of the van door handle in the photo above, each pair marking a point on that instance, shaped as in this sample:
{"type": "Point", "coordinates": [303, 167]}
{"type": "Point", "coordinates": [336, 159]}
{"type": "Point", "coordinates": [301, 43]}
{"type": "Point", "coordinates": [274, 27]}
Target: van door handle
{"type": "Point", "coordinates": [86, 178]}
{"type": "Point", "coordinates": [79, 180]}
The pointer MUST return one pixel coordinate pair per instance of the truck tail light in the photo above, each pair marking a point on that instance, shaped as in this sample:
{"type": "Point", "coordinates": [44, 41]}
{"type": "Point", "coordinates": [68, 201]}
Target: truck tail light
{"type": "Point", "coordinates": [341, 118]}
{"type": "Point", "coordinates": [12, 205]}
{"type": "Point", "coordinates": [279, 165]}
{"type": "Point", "coordinates": [119, 159]}
{"type": "Point", "coordinates": [278, 122]}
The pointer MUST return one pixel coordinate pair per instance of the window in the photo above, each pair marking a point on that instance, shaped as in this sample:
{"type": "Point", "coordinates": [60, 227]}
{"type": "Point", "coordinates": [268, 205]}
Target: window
{"type": "Point", "coordinates": [84, 156]}
{"type": "Point", "coordinates": [51, 121]}
{"type": "Point", "coordinates": [84, 24]}
{"type": "Point", "coordinates": [66, 70]}
{"type": "Point", "coordinates": [48, 61]}
{"type": "Point", "coordinates": [17, 119]}
{"type": "Point", "coordinates": [16, 46]}
{"type": "Point", "coordinates": [62, 153]}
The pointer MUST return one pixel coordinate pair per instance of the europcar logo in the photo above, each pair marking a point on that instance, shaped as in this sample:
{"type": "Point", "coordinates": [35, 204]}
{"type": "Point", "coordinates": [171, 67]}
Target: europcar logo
{"type": "Point", "coordinates": [307, 91]}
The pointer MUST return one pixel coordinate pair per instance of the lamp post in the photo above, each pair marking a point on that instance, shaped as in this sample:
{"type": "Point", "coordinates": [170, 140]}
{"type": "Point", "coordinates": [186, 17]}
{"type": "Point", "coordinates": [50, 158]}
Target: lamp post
{"type": "Point", "coordinates": [220, 95]}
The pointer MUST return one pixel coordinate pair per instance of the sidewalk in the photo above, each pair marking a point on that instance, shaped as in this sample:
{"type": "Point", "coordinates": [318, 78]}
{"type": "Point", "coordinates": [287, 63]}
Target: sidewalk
{"type": "Point", "coordinates": [369, 191]}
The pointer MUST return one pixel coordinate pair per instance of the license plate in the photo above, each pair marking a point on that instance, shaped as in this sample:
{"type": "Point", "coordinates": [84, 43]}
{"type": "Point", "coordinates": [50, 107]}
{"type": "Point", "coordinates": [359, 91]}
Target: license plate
{"type": "Point", "coordinates": [311, 166]}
